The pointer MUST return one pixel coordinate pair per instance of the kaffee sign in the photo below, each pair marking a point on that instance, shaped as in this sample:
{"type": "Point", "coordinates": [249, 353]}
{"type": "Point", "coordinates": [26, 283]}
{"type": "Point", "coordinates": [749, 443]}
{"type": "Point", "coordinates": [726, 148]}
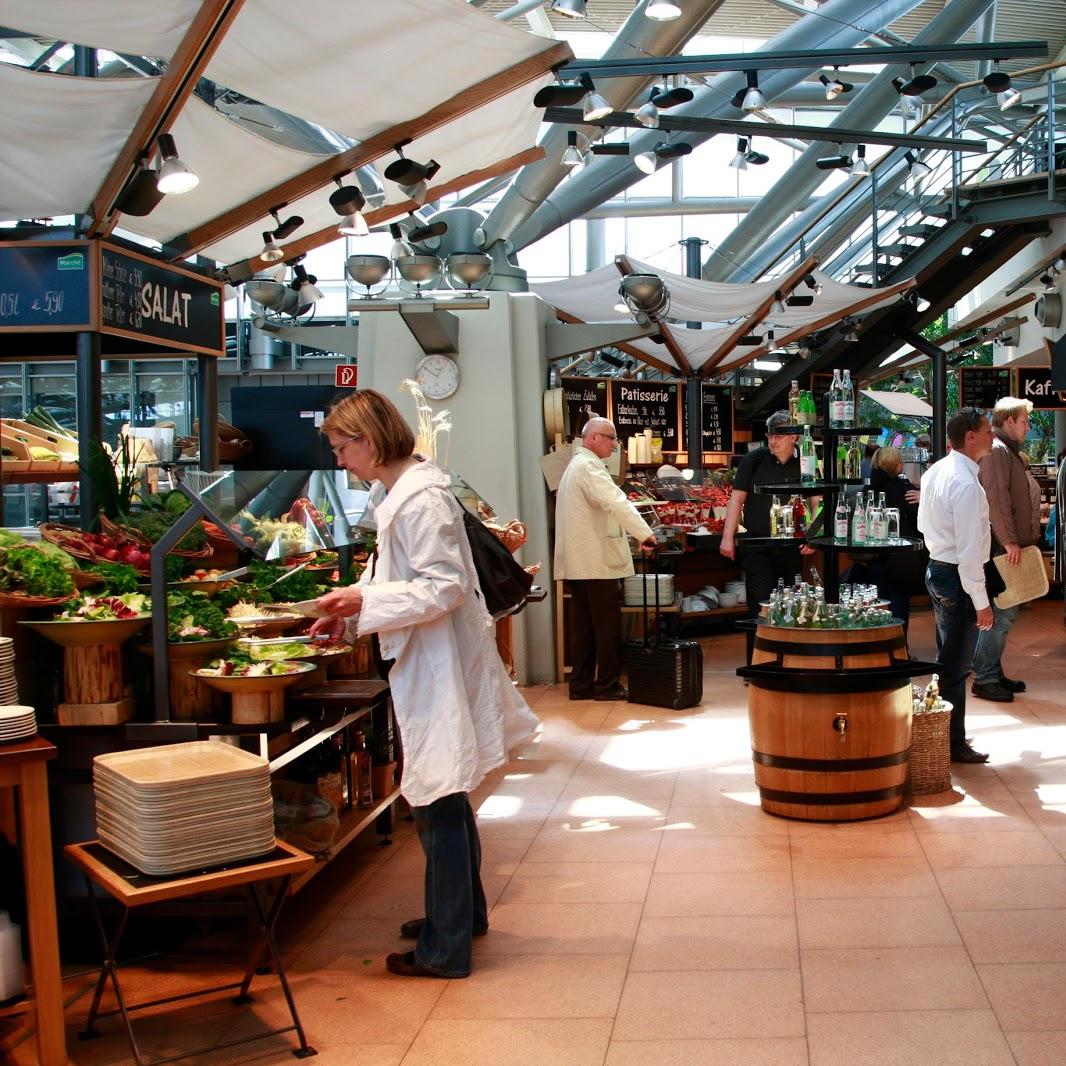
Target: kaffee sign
{"type": "Point", "coordinates": [1034, 383]}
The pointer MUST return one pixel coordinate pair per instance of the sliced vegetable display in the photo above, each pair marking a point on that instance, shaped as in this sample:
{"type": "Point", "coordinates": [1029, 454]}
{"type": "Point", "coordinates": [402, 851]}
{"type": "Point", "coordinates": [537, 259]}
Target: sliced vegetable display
{"type": "Point", "coordinates": [106, 608]}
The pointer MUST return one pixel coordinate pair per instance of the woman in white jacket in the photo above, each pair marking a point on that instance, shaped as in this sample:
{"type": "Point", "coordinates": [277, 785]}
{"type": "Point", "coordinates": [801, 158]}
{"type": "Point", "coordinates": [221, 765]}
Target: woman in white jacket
{"type": "Point", "coordinates": [456, 709]}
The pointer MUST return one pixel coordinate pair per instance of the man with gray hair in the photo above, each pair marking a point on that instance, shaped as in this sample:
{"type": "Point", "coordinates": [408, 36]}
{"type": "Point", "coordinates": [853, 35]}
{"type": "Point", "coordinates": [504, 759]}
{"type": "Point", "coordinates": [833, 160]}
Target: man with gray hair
{"type": "Point", "coordinates": [592, 518]}
{"type": "Point", "coordinates": [1015, 525]}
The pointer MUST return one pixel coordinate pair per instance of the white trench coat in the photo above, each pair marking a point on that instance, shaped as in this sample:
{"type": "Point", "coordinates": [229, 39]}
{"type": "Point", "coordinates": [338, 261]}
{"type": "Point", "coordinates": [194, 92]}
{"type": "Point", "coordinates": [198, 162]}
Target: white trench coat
{"type": "Point", "coordinates": [458, 712]}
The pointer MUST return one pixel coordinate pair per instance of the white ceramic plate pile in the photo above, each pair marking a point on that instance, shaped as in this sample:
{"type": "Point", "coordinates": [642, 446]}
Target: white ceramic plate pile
{"type": "Point", "coordinates": [181, 807]}
{"type": "Point", "coordinates": [16, 723]}
{"type": "Point", "coordinates": [9, 693]}
{"type": "Point", "coordinates": [633, 596]}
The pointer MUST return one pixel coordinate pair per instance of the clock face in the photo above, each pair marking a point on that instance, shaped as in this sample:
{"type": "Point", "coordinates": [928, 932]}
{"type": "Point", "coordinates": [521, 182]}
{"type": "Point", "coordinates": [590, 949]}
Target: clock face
{"type": "Point", "coordinates": [437, 376]}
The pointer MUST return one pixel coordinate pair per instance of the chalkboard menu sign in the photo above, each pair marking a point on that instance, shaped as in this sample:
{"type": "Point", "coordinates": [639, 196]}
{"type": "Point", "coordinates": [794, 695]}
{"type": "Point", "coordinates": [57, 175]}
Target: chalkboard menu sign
{"type": "Point", "coordinates": [641, 405]}
{"type": "Point", "coordinates": [45, 286]}
{"type": "Point", "coordinates": [981, 386]}
{"type": "Point", "coordinates": [717, 415]}
{"type": "Point", "coordinates": [1034, 383]}
{"type": "Point", "coordinates": [586, 398]}
{"type": "Point", "coordinates": [152, 301]}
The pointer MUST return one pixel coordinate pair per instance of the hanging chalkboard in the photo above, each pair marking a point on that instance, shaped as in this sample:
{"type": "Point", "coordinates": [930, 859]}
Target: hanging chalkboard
{"type": "Point", "coordinates": [717, 418]}
{"type": "Point", "coordinates": [640, 405]}
{"type": "Point", "coordinates": [45, 286]}
{"type": "Point", "coordinates": [981, 386]}
{"type": "Point", "coordinates": [586, 398]}
{"type": "Point", "coordinates": [149, 300]}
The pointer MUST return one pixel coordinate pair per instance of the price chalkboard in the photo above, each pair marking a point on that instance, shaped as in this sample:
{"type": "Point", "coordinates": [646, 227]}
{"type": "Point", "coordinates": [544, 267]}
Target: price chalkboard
{"type": "Point", "coordinates": [151, 301]}
{"type": "Point", "coordinates": [1034, 383]}
{"type": "Point", "coordinates": [45, 286]}
{"type": "Point", "coordinates": [717, 418]}
{"type": "Point", "coordinates": [641, 405]}
{"type": "Point", "coordinates": [981, 386]}
{"type": "Point", "coordinates": [586, 398]}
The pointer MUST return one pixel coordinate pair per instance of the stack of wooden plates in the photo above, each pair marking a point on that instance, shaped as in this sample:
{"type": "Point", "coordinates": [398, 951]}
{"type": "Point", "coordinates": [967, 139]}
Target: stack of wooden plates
{"type": "Point", "coordinates": [16, 723]}
{"type": "Point", "coordinates": [9, 693]}
{"type": "Point", "coordinates": [181, 807]}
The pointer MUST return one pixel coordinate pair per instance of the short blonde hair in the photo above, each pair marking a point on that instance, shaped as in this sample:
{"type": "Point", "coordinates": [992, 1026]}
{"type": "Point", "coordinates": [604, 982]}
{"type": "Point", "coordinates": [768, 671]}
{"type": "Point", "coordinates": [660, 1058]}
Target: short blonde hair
{"type": "Point", "coordinates": [376, 417]}
{"type": "Point", "coordinates": [888, 459]}
{"type": "Point", "coordinates": [1010, 407]}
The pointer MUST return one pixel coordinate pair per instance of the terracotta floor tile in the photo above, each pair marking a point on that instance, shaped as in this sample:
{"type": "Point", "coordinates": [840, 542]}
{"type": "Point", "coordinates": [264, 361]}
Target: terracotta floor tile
{"type": "Point", "coordinates": [890, 1038]}
{"type": "Point", "coordinates": [729, 942]}
{"type": "Point", "coordinates": [741, 817]}
{"type": "Point", "coordinates": [875, 923]}
{"type": "Point", "coordinates": [681, 853]}
{"type": "Point", "coordinates": [1026, 996]}
{"type": "Point", "coordinates": [862, 878]}
{"type": "Point", "coordinates": [1014, 936]}
{"type": "Point", "coordinates": [561, 1042]}
{"type": "Point", "coordinates": [996, 888]}
{"type": "Point", "coordinates": [536, 986]}
{"type": "Point", "coordinates": [710, 1004]}
{"type": "Point", "coordinates": [684, 895]}
{"type": "Point", "coordinates": [561, 929]}
{"type": "Point", "coordinates": [858, 842]}
{"type": "Point", "coordinates": [970, 815]}
{"type": "Point", "coordinates": [1038, 1049]}
{"type": "Point", "coordinates": [782, 1051]}
{"type": "Point", "coordinates": [579, 882]}
{"type": "Point", "coordinates": [598, 840]}
{"type": "Point", "coordinates": [947, 851]}
{"type": "Point", "coordinates": [855, 979]}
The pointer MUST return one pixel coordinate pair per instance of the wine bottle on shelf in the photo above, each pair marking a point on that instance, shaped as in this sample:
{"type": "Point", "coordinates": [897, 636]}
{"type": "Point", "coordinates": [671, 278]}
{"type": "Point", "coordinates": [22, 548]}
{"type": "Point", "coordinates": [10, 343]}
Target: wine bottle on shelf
{"type": "Point", "coordinates": [360, 761]}
{"type": "Point", "coordinates": [842, 458]}
{"type": "Point", "coordinates": [793, 403]}
{"type": "Point", "coordinates": [854, 460]}
{"type": "Point", "coordinates": [808, 458]}
{"type": "Point", "coordinates": [799, 517]}
{"type": "Point", "coordinates": [775, 517]}
{"type": "Point", "coordinates": [848, 400]}
{"type": "Point", "coordinates": [836, 401]}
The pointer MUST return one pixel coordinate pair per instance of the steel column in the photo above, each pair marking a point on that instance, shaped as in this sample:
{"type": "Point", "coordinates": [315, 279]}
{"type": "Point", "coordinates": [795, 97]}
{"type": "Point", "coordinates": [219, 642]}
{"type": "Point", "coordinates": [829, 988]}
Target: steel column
{"type": "Point", "coordinates": [87, 384]}
{"type": "Point", "coordinates": [207, 410]}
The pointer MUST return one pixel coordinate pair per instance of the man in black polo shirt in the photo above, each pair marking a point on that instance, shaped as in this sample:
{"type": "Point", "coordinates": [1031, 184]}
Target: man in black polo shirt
{"type": "Point", "coordinates": [775, 463]}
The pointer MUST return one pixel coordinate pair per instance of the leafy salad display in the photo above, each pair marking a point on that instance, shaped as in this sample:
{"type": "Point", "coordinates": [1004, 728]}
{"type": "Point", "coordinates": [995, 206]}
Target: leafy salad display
{"type": "Point", "coordinates": [281, 650]}
{"type": "Point", "coordinates": [194, 616]}
{"type": "Point", "coordinates": [239, 667]}
{"type": "Point", "coordinates": [106, 608]}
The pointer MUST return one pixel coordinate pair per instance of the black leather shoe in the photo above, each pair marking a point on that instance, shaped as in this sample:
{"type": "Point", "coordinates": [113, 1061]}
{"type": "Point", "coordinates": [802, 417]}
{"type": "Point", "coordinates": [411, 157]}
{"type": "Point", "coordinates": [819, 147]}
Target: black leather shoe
{"type": "Point", "coordinates": [995, 692]}
{"type": "Point", "coordinates": [967, 754]}
{"type": "Point", "coordinates": [405, 964]}
{"type": "Point", "coordinates": [1011, 685]}
{"type": "Point", "coordinates": [614, 694]}
{"type": "Point", "coordinates": [410, 930]}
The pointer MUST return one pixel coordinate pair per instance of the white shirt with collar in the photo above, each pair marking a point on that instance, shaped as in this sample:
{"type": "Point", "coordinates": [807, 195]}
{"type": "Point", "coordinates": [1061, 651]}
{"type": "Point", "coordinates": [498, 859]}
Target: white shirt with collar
{"type": "Point", "coordinates": [953, 518]}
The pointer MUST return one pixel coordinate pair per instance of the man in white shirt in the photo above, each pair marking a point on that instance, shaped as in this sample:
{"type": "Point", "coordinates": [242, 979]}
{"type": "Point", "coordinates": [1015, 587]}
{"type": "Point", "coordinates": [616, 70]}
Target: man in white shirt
{"type": "Point", "coordinates": [592, 517]}
{"type": "Point", "coordinates": [953, 518]}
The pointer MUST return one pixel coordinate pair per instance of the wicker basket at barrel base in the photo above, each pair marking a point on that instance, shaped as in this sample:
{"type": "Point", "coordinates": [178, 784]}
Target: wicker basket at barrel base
{"type": "Point", "coordinates": [929, 764]}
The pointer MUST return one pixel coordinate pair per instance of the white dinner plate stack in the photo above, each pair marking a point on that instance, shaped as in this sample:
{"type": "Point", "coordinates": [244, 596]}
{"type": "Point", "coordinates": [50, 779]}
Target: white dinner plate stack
{"type": "Point", "coordinates": [181, 807]}
{"type": "Point", "coordinates": [9, 692]}
{"type": "Point", "coordinates": [633, 595]}
{"type": "Point", "coordinates": [16, 723]}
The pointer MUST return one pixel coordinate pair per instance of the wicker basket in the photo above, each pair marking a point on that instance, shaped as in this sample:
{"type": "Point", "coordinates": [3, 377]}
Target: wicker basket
{"type": "Point", "coordinates": [512, 536]}
{"type": "Point", "coordinates": [929, 765]}
{"type": "Point", "coordinates": [107, 526]}
{"type": "Point", "coordinates": [19, 600]}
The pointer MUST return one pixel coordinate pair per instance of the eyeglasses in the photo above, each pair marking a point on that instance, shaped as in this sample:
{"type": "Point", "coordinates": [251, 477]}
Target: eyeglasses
{"type": "Point", "coordinates": [976, 414]}
{"type": "Point", "coordinates": [609, 436]}
{"type": "Point", "coordinates": [338, 448]}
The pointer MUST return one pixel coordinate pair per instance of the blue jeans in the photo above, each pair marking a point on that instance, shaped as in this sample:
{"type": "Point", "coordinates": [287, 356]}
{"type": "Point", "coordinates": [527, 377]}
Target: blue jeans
{"type": "Point", "coordinates": [956, 638]}
{"type": "Point", "coordinates": [987, 659]}
{"type": "Point", "coordinates": [455, 900]}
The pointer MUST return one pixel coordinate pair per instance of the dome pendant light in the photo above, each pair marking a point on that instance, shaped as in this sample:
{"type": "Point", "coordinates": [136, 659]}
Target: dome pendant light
{"type": "Point", "coordinates": [753, 97]}
{"type": "Point", "coordinates": [572, 156]}
{"type": "Point", "coordinates": [595, 107]}
{"type": "Point", "coordinates": [860, 168]}
{"type": "Point", "coordinates": [740, 160]}
{"type": "Point", "coordinates": [271, 252]}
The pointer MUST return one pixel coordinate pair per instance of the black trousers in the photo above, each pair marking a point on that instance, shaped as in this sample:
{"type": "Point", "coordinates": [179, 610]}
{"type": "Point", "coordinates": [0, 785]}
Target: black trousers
{"type": "Point", "coordinates": [762, 568]}
{"type": "Point", "coordinates": [596, 637]}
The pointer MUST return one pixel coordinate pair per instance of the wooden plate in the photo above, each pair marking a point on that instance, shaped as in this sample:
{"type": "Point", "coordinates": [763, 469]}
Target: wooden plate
{"type": "Point", "coordinates": [68, 634]}
{"type": "Point", "coordinates": [268, 683]}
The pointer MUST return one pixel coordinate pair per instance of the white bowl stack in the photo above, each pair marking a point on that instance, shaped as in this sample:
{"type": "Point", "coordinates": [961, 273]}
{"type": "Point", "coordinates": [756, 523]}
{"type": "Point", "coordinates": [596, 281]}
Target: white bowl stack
{"type": "Point", "coordinates": [9, 690]}
{"type": "Point", "coordinates": [16, 723]}
{"type": "Point", "coordinates": [181, 807]}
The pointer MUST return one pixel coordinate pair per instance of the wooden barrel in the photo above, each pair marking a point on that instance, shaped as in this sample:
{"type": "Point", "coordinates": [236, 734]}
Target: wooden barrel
{"type": "Point", "coordinates": [833, 747]}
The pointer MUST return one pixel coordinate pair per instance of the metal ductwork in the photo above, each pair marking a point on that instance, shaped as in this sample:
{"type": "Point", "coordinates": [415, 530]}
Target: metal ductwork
{"type": "Point", "coordinates": [728, 261]}
{"type": "Point", "coordinates": [638, 36]}
{"type": "Point", "coordinates": [836, 24]}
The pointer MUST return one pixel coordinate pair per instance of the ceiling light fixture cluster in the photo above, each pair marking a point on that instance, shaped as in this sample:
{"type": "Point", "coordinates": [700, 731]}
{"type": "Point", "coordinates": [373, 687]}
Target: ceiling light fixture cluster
{"type": "Point", "coordinates": [148, 185]}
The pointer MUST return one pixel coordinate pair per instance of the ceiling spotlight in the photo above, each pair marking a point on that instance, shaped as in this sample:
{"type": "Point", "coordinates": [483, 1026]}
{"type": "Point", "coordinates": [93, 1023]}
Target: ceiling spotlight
{"type": "Point", "coordinates": [800, 300]}
{"type": "Point", "coordinates": [564, 94]}
{"type": "Point", "coordinates": [572, 156]}
{"type": "Point", "coordinates": [407, 173]}
{"type": "Point", "coordinates": [419, 234]}
{"type": "Point", "coordinates": [617, 148]}
{"type": "Point", "coordinates": [996, 81]}
{"type": "Point", "coordinates": [400, 247]}
{"type": "Point", "coordinates": [306, 286]}
{"type": "Point", "coordinates": [813, 283]}
{"type": "Point", "coordinates": [666, 98]}
{"type": "Point", "coordinates": [287, 228]}
{"type": "Point", "coordinates": [648, 114]}
{"type": "Point", "coordinates": [919, 170]}
{"type": "Point", "coordinates": [569, 9]}
{"type": "Point", "coordinates": [348, 201]}
{"type": "Point", "coordinates": [174, 176]}
{"type": "Point", "coordinates": [595, 105]}
{"type": "Point", "coordinates": [141, 194]}
{"type": "Point", "coordinates": [834, 162]}
{"type": "Point", "coordinates": [834, 86]}
{"type": "Point", "coordinates": [921, 303]}
{"type": "Point", "coordinates": [907, 104]}
{"type": "Point", "coordinates": [648, 161]}
{"type": "Point", "coordinates": [850, 335]}
{"type": "Point", "coordinates": [1008, 99]}
{"type": "Point", "coordinates": [749, 340]}
{"type": "Point", "coordinates": [271, 253]}
{"type": "Point", "coordinates": [778, 306]}
{"type": "Point", "coordinates": [740, 160]}
{"type": "Point", "coordinates": [1046, 279]}
{"type": "Point", "coordinates": [663, 10]}
{"type": "Point", "coordinates": [919, 83]}
{"type": "Point", "coordinates": [860, 168]}
{"type": "Point", "coordinates": [753, 97]}
{"type": "Point", "coordinates": [757, 159]}
{"type": "Point", "coordinates": [354, 226]}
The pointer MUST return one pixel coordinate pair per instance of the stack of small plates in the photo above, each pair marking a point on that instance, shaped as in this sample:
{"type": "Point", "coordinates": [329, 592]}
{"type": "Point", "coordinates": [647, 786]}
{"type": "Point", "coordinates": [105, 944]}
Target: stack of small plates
{"type": "Point", "coordinates": [9, 693]}
{"type": "Point", "coordinates": [182, 807]}
{"type": "Point", "coordinates": [16, 723]}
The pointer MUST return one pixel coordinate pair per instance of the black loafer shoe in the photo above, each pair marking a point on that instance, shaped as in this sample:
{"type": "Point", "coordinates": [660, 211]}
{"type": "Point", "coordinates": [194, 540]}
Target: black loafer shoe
{"type": "Point", "coordinates": [404, 964]}
{"type": "Point", "coordinates": [410, 930]}
{"type": "Point", "coordinates": [615, 694]}
{"type": "Point", "coordinates": [967, 754]}
{"type": "Point", "coordinates": [995, 692]}
{"type": "Point", "coordinates": [1011, 685]}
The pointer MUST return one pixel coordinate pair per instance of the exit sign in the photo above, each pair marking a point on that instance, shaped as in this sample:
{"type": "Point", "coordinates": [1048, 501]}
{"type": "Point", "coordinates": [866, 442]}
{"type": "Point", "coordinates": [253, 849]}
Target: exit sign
{"type": "Point", "coordinates": [345, 376]}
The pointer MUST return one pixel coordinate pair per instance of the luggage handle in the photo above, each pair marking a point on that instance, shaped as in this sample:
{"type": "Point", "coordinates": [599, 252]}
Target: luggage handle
{"type": "Point", "coordinates": [648, 559]}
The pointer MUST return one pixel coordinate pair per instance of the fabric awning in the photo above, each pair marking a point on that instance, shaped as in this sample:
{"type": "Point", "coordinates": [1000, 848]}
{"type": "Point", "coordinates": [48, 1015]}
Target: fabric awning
{"type": "Point", "coordinates": [905, 404]}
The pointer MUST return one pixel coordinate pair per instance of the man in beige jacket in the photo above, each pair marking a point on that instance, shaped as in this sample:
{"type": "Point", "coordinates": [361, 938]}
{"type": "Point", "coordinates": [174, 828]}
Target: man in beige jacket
{"type": "Point", "coordinates": [592, 518]}
{"type": "Point", "coordinates": [1015, 525]}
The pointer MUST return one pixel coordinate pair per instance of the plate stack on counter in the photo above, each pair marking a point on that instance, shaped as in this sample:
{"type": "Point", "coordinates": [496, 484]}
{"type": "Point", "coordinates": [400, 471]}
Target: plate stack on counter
{"type": "Point", "coordinates": [16, 723]}
{"type": "Point", "coordinates": [633, 590]}
{"type": "Point", "coordinates": [9, 692]}
{"type": "Point", "coordinates": [181, 807]}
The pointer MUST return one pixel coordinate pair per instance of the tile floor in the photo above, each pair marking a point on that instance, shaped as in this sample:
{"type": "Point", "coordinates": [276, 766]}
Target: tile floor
{"type": "Point", "coordinates": [646, 911]}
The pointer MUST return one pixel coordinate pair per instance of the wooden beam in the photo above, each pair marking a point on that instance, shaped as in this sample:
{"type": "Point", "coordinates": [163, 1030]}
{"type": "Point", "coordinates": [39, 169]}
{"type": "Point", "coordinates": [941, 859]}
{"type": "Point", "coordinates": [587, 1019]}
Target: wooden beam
{"type": "Point", "coordinates": [201, 41]}
{"type": "Point", "coordinates": [387, 212]}
{"type": "Point", "coordinates": [988, 316]}
{"type": "Point", "coordinates": [336, 166]}
{"type": "Point", "coordinates": [788, 283]}
{"type": "Point", "coordinates": [565, 316]}
{"type": "Point", "coordinates": [625, 267]}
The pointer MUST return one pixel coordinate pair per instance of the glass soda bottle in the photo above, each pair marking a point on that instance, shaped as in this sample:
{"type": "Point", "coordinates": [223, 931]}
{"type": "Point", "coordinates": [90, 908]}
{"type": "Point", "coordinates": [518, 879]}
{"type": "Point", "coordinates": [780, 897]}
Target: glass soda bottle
{"type": "Point", "coordinates": [799, 517]}
{"type": "Point", "coordinates": [847, 393]}
{"type": "Point", "coordinates": [793, 403]}
{"type": "Point", "coordinates": [775, 517]}
{"type": "Point", "coordinates": [858, 522]}
{"type": "Point", "coordinates": [836, 401]}
{"type": "Point", "coordinates": [808, 458]}
{"type": "Point", "coordinates": [840, 520]}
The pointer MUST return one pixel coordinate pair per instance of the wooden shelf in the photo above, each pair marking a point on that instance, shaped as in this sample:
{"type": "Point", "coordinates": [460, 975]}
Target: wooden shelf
{"type": "Point", "coordinates": [352, 823]}
{"type": "Point", "coordinates": [33, 477]}
{"type": "Point", "coordinates": [715, 612]}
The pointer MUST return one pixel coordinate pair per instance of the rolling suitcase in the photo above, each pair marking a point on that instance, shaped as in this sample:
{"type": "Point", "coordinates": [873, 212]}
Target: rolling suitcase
{"type": "Point", "coordinates": [663, 673]}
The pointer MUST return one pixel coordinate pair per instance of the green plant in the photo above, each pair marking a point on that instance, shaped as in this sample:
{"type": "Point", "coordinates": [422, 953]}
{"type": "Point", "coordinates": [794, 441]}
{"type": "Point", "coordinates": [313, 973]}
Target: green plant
{"type": "Point", "coordinates": [114, 480]}
{"type": "Point", "coordinates": [379, 745]}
